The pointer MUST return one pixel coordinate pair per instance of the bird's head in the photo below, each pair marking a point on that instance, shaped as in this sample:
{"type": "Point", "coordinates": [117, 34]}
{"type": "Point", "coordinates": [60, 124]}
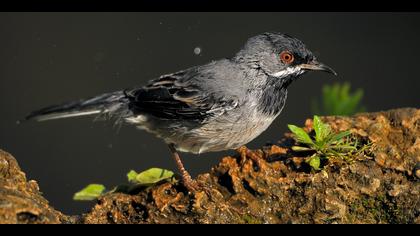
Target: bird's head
{"type": "Point", "coordinates": [280, 56]}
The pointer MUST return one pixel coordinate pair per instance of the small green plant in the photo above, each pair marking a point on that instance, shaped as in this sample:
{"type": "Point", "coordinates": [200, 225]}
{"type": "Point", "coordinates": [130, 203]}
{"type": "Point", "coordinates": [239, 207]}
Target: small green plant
{"type": "Point", "coordinates": [90, 192]}
{"type": "Point", "coordinates": [149, 177]}
{"type": "Point", "coordinates": [144, 179]}
{"type": "Point", "coordinates": [337, 100]}
{"type": "Point", "coordinates": [325, 144]}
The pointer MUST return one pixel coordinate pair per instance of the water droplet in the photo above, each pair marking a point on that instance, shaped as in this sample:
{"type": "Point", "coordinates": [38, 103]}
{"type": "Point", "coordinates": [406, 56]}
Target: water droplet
{"type": "Point", "coordinates": [197, 51]}
{"type": "Point", "coordinates": [18, 122]}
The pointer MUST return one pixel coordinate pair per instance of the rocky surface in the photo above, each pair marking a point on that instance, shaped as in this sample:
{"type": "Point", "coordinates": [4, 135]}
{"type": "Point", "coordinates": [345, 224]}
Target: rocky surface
{"type": "Point", "coordinates": [269, 185]}
{"type": "Point", "coordinates": [21, 200]}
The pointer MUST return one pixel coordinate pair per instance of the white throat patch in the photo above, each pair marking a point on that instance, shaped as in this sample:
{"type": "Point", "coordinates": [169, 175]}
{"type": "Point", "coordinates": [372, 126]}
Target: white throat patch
{"type": "Point", "coordinates": [288, 71]}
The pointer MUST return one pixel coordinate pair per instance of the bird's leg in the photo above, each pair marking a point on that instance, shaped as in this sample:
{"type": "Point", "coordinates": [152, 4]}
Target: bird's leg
{"type": "Point", "coordinates": [189, 183]}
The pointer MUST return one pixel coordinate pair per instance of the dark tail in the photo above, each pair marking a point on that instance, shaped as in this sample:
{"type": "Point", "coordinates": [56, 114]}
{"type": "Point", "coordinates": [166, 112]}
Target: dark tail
{"type": "Point", "coordinates": [108, 103]}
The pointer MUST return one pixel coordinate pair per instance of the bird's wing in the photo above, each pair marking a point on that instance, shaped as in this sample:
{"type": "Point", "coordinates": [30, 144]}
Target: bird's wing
{"type": "Point", "coordinates": [179, 96]}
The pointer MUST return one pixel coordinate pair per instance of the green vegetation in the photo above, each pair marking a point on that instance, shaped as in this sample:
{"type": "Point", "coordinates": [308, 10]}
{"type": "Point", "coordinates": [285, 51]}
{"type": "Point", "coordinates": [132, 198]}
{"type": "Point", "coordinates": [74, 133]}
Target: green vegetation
{"type": "Point", "coordinates": [144, 179]}
{"type": "Point", "coordinates": [150, 176]}
{"type": "Point", "coordinates": [91, 192]}
{"type": "Point", "coordinates": [325, 144]}
{"type": "Point", "coordinates": [338, 100]}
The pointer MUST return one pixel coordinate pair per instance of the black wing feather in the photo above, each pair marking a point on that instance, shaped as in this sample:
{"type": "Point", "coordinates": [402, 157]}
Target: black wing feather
{"type": "Point", "coordinates": [165, 99]}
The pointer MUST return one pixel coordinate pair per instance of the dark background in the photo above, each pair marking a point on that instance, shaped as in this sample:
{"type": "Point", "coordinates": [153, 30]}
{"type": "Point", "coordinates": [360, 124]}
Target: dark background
{"type": "Point", "coordinates": [48, 58]}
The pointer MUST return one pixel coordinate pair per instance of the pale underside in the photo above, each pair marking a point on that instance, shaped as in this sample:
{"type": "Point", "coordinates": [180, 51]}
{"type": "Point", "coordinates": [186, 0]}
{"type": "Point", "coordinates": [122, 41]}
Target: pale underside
{"type": "Point", "coordinates": [218, 135]}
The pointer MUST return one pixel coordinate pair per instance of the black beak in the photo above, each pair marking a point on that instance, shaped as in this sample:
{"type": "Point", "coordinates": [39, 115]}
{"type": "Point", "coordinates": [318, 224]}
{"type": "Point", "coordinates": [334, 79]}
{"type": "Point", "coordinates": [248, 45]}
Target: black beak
{"type": "Point", "coordinates": [318, 66]}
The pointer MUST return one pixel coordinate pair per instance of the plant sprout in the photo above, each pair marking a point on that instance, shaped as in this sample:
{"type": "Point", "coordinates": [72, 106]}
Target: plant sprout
{"type": "Point", "coordinates": [337, 100]}
{"type": "Point", "coordinates": [146, 178]}
{"type": "Point", "coordinates": [325, 144]}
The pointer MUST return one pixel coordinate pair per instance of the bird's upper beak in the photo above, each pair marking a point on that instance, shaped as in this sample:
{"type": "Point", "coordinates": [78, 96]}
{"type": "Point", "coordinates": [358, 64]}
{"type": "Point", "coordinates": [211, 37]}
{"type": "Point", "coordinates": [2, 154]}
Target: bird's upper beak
{"type": "Point", "coordinates": [315, 65]}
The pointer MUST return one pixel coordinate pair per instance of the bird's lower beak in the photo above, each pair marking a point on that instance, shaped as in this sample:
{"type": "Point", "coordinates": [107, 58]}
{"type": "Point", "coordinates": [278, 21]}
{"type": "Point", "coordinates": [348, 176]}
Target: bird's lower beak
{"type": "Point", "coordinates": [318, 66]}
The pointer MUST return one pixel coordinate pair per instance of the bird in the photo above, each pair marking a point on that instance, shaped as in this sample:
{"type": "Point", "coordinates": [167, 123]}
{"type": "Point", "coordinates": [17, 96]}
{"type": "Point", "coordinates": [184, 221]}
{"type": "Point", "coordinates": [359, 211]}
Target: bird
{"type": "Point", "coordinates": [221, 105]}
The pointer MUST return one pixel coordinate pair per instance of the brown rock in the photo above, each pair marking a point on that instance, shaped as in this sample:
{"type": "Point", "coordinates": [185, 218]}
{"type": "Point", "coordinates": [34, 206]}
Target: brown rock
{"type": "Point", "coordinates": [20, 200]}
{"type": "Point", "coordinates": [265, 186]}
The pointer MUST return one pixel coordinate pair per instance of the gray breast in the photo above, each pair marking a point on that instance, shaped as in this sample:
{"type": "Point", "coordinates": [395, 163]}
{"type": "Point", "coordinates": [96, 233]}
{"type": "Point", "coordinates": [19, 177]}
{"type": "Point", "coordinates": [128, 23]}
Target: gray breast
{"type": "Point", "coordinates": [228, 131]}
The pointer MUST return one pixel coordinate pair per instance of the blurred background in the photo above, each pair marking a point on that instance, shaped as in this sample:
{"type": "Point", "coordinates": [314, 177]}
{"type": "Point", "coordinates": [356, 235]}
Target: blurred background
{"type": "Point", "coordinates": [48, 58]}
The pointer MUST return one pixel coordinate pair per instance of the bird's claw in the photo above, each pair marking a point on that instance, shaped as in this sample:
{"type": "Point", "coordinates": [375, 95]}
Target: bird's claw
{"type": "Point", "coordinates": [194, 186]}
{"type": "Point", "coordinates": [191, 185]}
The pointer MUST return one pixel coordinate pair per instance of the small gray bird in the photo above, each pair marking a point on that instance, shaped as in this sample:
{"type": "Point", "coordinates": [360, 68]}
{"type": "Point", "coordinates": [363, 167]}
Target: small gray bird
{"type": "Point", "coordinates": [218, 106]}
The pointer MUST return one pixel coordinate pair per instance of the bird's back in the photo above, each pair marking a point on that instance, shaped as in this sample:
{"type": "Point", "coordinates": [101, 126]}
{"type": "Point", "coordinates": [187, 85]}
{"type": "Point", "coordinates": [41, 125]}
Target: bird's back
{"type": "Point", "coordinates": [208, 108]}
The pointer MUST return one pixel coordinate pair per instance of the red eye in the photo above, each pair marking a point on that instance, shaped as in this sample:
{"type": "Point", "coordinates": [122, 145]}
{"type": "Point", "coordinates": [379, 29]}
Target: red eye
{"type": "Point", "coordinates": [286, 57]}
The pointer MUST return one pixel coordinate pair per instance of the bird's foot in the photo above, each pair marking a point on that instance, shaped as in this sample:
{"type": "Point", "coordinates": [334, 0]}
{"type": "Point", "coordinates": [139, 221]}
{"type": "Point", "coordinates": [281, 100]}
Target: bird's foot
{"type": "Point", "coordinates": [191, 185]}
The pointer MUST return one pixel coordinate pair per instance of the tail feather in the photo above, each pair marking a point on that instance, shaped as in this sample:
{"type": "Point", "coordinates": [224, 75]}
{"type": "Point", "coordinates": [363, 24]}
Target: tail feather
{"type": "Point", "coordinates": [102, 104]}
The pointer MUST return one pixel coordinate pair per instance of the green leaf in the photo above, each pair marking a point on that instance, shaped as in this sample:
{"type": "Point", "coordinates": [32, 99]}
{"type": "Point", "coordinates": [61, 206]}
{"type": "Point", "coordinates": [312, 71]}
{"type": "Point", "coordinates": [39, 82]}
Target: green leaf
{"type": "Point", "coordinates": [344, 147]}
{"type": "Point", "coordinates": [337, 99]}
{"type": "Point", "coordinates": [300, 135]}
{"type": "Point", "coordinates": [315, 106]}
{"type": "Point", "coordinates": [344, 90]}
{"type": "Point", "coordinates": [91, 192]}
{"type": "Point", "coordinates": [339, 136]}
{"type": "Point", "coordinates": [322, 130]}
{"type": "Point", "coordinates": [354, 101]}
{"type": "Point", "coordinates": [334, 98]}
{"type": "Point", "coordinates": [315, 162]}
{"type": "Point", "coordinates": [132, 176]}
{"type": "Point", "coordinates": [327, 99]}
{"type": "Point", "coordinates": [153, 175]}
{"type": "Point", "coordinates": [301, 149]}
